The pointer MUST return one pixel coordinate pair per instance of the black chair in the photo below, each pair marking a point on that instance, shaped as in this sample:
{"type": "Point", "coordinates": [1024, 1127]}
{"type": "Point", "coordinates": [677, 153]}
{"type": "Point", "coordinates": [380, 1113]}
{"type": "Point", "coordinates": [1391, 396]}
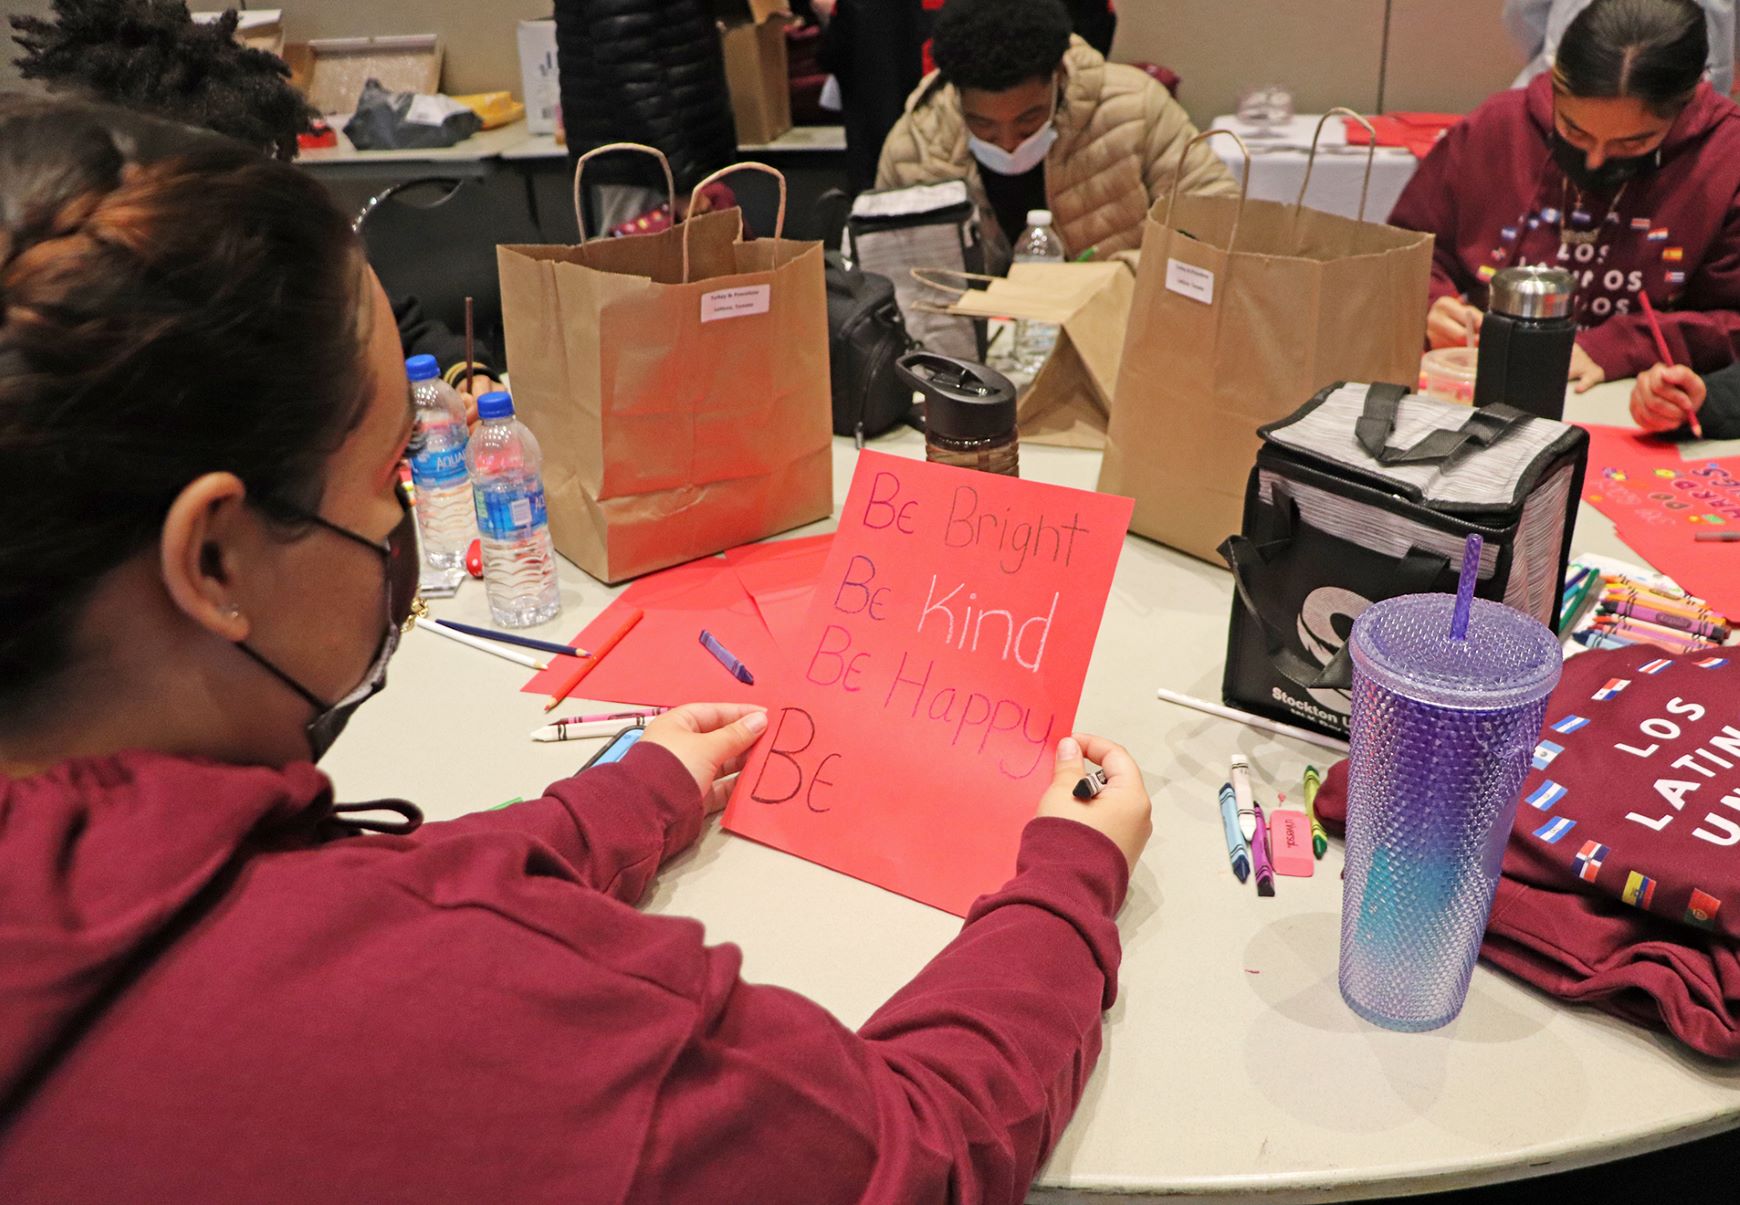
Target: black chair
{"type": "Point", "coordinates": [434, 239]}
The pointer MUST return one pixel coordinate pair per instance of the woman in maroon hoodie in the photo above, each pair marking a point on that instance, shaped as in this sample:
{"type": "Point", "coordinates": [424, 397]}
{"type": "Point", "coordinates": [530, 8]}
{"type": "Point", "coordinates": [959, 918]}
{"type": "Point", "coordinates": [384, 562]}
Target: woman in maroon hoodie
{"type": "Point", "coordinates": [214, 985]}
{"type": "Point", "coordinates": [1621, 166]}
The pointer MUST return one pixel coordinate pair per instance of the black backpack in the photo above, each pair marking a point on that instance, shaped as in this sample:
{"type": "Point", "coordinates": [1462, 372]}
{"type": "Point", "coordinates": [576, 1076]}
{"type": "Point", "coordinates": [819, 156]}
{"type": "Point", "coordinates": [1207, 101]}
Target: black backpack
{"type": "Point", "coordinates": [865, 337]}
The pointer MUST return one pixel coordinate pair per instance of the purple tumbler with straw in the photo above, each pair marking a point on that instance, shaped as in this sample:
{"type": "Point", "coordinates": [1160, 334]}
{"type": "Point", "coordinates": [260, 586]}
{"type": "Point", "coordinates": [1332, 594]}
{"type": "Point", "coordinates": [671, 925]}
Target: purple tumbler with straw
{"type": "Point", "coordinates": [1448, 698]}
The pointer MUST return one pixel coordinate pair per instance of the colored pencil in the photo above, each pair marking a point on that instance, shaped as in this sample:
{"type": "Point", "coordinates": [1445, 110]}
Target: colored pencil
{"type": "Point", "coordinates": [525, 642]}
{"type": "Point", "coordinates": [590, 662]}
{"type": "Point", "coordinates": [1667, 357]}
{"type": "Point", "coordinates": [470, 357]}
{"type": "Point", "coordinates": [482, 646]}
{"type": "Point", "coordinates": [1251, 721]}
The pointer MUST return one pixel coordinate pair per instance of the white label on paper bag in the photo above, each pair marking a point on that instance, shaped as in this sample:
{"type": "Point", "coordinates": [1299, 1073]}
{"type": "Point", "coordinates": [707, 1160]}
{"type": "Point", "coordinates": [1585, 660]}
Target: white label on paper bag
{"type": "Point", "coordinates": [1193, 282]}
{"type": "Point", "coordinates": [736, 303]}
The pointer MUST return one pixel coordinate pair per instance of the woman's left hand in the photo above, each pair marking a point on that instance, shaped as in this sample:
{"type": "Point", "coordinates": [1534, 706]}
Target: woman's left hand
{"type": "Point", "coordinates": [1585, 373]}
{"type": "Point", "coordinates": [712, 740]}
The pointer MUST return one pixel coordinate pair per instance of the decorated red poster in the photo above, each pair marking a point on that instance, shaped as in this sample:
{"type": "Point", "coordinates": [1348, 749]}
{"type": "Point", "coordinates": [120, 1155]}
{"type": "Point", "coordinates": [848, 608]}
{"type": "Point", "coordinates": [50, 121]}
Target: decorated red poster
{"type": "Point", "coordinates": [1659, 502]}
{"type": "Point", "coordinates": [941, 660]}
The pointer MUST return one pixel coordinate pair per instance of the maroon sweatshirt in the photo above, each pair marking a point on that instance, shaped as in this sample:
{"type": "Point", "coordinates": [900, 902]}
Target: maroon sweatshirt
{"type": "Point", "coordinates": [1494, 198]}
{"type": "Point", "coordinates": [213, 989]}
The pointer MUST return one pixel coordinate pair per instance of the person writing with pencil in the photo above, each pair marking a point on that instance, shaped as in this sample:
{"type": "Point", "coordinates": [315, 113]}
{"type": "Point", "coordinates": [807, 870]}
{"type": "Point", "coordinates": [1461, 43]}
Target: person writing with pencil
{"type": "Point", "coordinates": [1620, 165]}
{"type": "Point", "coordinates": [212, 973]}
{"type": "Point", "coordinates": [1668, 397]}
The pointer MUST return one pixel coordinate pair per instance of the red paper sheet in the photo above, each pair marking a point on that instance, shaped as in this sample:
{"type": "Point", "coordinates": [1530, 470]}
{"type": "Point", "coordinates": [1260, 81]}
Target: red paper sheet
{"type": "Point", "coordinates": [941, 661]}
{"type": "Point", "coordinates": [661, 663]}
{"type": "Point", "coordinates": [1658, 501]}
{"type": "Point", "coordinates": [781, 577]}
{"type": "Point", "coordinates": [1419, 132]}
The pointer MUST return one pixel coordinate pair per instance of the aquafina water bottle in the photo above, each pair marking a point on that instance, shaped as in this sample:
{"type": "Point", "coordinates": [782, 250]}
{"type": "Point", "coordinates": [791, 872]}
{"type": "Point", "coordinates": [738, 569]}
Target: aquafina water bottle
{"type": "Point", "coordinates": [437, 453]}
{"type": "Point", "coordinates": [519, 562]}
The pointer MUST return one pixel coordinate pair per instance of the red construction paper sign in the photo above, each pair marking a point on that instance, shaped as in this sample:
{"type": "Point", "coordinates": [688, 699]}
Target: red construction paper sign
{"type": "Point", "coordinates": [661, 662]}
{"type": "Point", "coordinates": [941, 661]}
{"type": "Point", "coordinates": [1658, 501]}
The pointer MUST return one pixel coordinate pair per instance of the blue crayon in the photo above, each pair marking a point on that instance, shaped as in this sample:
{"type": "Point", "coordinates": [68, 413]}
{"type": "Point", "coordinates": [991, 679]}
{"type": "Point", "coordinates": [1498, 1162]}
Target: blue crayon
{"type": "Point", "coordinates": [725, 657]}
{"type": "Point", "coordinates": [1236, 850]}
{"type": "Point", "coordinates": [1595, 638]}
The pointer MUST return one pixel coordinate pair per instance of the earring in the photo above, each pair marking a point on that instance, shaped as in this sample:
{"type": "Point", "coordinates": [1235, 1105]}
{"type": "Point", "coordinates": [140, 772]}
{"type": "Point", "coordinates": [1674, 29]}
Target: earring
{"type": "Point", "coordinates": [233, 611]}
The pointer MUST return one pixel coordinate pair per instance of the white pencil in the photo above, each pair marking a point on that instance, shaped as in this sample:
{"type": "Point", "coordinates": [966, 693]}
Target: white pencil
{"type": "Point", "coordinates": [482, 646]}
{"type": "Point", "coordinates": [1253, 721]}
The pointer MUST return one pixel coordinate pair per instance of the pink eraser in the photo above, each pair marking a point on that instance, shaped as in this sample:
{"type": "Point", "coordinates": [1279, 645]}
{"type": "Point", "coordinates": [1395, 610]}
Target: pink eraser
{"type": "Point", "coordinates": [1290, 844]}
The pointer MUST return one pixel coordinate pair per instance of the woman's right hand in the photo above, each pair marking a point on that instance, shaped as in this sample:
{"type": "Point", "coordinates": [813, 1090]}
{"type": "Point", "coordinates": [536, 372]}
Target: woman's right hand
{"type": "Point", "coordinates": [1666, 397]}
{"type": "Point", "coordinates": [1450, 321]}
{"type": "Point", "coordinates": [1121, 810]}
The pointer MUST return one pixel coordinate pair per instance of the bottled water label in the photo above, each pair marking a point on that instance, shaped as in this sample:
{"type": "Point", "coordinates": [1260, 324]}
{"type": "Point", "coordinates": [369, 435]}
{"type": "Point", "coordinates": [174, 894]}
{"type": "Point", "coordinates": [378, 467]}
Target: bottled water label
{"type": "Point", "coordinates": [511, 515]}
{"type": "Point", "coordinates": [439, 468]}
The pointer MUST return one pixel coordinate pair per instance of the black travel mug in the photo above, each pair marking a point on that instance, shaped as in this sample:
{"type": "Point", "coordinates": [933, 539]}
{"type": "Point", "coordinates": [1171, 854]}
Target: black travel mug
{"type": "Point", "coordinates": [1526, 341]}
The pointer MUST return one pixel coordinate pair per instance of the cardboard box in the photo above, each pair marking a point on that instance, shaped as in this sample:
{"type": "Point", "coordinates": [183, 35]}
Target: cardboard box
{"type": "Point", "coordinates": [260, 28]}
{"type": "Point", "coordinates": [538, 76]}
{"type": "Point", "coordinates": [756, 71]}
{"type": "Point", "coordinates": [332, 71]}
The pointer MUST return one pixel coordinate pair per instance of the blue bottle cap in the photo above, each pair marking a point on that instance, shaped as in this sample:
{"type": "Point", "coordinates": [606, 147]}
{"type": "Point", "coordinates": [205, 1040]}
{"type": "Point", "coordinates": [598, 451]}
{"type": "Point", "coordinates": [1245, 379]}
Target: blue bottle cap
{"type": "Point", "coordinates": [422, 368]}
{"type": "Point", "coordinates": [495, 405]}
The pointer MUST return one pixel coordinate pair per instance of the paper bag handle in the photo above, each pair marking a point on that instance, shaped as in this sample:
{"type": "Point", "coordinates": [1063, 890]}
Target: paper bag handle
{"type": "Point", "coordinates": [924, 276]}
{"type": "Point", "coordinates": [778, 221]}
{"type": "Point", "coordinates": [1244, 180]}
{"type": "Point", "coordinates": [1370, 153]}
{"type": "Point", "coordinates": [580, 166]}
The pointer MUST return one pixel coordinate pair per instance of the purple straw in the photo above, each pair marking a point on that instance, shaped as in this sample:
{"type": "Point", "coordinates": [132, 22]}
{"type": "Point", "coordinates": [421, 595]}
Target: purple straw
{"type": "Point", "coordinates": [1465, 587]}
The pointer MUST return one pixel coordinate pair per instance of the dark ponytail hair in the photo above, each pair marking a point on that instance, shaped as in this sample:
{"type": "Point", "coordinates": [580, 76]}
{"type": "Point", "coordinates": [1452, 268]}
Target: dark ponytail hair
{"type": "Point", "coordinates": [171, 304]}
{"type": "Point", "coordinates": [1651, 50]}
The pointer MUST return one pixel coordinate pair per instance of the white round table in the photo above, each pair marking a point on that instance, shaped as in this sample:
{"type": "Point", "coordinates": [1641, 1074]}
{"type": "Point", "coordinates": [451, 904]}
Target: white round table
{"type": "Point", "coordinates": [1232, 1068]}
{"type": "Point", "coordinates": [1278, 167]}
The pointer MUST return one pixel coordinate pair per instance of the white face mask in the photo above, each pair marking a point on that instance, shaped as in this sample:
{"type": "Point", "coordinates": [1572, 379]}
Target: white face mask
{"type": "Point", "coordinates": [1024, 158]}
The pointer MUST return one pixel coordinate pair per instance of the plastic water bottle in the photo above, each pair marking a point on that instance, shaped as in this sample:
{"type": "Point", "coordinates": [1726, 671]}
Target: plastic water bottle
{"type": "Point", "coordinates": [1038, 244]}
{"type": "Point", "coordinates": [444, 517]}
{"type": "Point", "coordinates": [519, 562]}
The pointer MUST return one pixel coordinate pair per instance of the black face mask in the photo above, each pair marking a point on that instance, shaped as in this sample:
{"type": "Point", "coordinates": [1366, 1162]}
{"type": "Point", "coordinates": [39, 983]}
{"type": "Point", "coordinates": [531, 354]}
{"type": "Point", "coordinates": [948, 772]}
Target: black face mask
{"type": "Point", "coordinates": [401, 572]}
{"type": "Point", "coordinates": [1610, 175]}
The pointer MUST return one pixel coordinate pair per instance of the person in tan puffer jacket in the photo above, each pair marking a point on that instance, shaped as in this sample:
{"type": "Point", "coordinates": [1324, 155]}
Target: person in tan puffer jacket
{"type": "Point", "coordinates": [1034, 118]}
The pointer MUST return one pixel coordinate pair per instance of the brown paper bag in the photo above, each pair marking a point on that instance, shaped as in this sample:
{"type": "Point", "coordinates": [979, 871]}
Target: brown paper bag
{"type": "Point", "coordinates": [1242, 311]}
{"type": "Point", "coordinates": [756, 71]}
{"type": "Point", "coordinates": [1069, 401]}
{"type": "Point", "coordinates": [678, 383]}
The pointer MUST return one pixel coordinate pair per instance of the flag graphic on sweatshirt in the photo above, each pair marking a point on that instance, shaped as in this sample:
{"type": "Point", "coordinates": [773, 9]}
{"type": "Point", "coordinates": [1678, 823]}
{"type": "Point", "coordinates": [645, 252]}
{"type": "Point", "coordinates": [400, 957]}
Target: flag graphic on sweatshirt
{"type": "Point", "coordinates": [1545, 796]}
{"type": "Point", "coordinates": [1570, 724]}
{"type": "Point", "coordinates": [1701, 911]}
{"type": "Point", "coordinates": [1545, 752]}
{"type": "Point", "coordinates": [1654, 667]}
{"type": "Point", "coordinates": [1589, 859]}
{"type": "Point", "coordinates": [1639, 890]}
{"type": "Point", "coordinates": [1712, 663]}
{"type": "Point", "coordinates": [1613, 687]}
{"type": "Point", "coordinates": [1553, 831]}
